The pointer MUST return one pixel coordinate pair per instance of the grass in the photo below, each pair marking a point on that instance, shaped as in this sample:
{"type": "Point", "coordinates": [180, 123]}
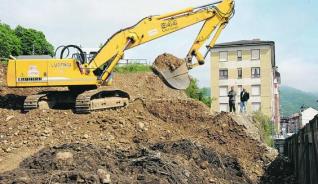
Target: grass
{"type": "Point", "coordinates": [4, 62]}
{"type": "Point", "coordinates": [266, 127]}
{"type": "Point", "coordinates": [133, 68]}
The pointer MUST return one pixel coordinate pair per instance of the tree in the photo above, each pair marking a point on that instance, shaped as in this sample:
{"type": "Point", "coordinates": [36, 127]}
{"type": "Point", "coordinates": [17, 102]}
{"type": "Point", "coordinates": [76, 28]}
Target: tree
{"type": "Point", "coordinates": [193, 91]}
{"type": "Point", "coordinates": [10, 44]}
{"type": "Point", "coordinates": [33, 42]}
{"type": "Point", "coordinates": [23, 41]}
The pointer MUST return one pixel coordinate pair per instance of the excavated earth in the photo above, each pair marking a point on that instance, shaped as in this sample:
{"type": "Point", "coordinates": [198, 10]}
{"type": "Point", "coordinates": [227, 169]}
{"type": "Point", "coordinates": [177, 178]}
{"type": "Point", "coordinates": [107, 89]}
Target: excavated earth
{"type": "Point", "coordinates": [168, 62]}
{"type": "Point", "coordinates": [161, 137]}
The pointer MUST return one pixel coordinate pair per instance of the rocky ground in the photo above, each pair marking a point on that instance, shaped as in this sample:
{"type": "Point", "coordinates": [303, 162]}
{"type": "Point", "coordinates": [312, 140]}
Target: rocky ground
{"type": "Point", "coordinates": [161, 137]}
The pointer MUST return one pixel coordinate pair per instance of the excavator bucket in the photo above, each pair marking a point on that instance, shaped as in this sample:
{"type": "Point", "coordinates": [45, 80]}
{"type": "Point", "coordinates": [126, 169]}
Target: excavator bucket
{"type": "Point", "coordinates": [172, 70]}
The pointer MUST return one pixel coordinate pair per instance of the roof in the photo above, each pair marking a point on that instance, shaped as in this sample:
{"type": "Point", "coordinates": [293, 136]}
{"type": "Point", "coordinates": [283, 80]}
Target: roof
{"type": "Point", "coordinates": [254, 42]}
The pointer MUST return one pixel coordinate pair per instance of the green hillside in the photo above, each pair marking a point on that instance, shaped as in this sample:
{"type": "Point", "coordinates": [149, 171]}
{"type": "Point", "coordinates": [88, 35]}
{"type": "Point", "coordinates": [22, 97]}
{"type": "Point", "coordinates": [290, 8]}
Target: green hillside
{"type": "Point", "coordinates": [292, 99]}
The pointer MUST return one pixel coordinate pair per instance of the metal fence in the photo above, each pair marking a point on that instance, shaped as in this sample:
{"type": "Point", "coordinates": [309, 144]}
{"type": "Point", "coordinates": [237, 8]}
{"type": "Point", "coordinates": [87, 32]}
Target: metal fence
{"type": "Point", "coordinates": [302, 150]}
{"type": "Point", "coordinates": [133, 61]}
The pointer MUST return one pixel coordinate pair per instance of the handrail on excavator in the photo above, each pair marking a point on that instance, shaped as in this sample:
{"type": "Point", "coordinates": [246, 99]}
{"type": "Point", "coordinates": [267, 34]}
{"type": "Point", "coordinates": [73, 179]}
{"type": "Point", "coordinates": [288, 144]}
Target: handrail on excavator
{"type": "Point", "coordinates": [208, 5]}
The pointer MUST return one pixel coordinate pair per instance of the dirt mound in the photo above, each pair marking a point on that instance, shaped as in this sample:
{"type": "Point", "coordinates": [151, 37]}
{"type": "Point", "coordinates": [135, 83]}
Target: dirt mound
{"type": "Point", "coordinates": [135, 127]}
{"type": "Point", "coordinates": [146, 86]}
{"type": "Point", "coordinates": [179, 111]}
{"type": "Point", "coordinates": [161, 137]}
{"type": "Point", "coordinates": [168, 61]}
{"type": "Point", "coordinates": [173, 162]}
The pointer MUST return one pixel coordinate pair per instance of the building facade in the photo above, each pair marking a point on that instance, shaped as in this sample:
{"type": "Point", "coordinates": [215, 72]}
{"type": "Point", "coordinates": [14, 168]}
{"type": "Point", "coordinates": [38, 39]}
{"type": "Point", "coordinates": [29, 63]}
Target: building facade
{"type": "Point", "coordinates": [248, 64]}
{"type": "Point", "coordinates": [292, 124]}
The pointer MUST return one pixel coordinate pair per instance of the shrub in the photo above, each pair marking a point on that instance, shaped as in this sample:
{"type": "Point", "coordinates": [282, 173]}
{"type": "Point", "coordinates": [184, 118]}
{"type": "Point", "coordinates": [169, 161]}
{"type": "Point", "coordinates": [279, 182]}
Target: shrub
{"type": "Point", "coordinates": [266, 127]}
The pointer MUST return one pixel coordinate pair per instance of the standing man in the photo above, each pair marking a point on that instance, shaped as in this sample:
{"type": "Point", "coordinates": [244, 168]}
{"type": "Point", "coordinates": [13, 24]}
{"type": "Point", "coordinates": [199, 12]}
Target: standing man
{"type": "Point", "coordinates": [232, 99]}
{"type": "Point", "coordinates": [245, 96]}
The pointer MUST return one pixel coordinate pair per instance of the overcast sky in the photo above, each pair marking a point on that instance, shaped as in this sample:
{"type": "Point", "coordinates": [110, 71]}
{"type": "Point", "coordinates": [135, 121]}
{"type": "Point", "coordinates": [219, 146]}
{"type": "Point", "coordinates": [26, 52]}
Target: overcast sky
{"type": "Point", "coordinates": [292, 24]}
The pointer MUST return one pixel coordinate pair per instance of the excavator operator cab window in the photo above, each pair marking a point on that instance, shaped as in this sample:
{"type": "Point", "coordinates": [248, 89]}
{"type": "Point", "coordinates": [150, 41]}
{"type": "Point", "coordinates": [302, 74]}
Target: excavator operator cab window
{"type": "Point", "coordinates": [77, 56]}
{"type": "Point", "coordinates": [88, 57]}
{"type": "Point", "coordinates": [91, 55]}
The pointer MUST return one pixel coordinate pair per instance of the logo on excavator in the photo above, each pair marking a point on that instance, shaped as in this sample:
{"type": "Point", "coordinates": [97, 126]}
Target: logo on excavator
{"type": "Point", "coordinates": [169, 25]}
{"type": "Point", "coordinates": [33, 71]}
{"type": "Point", "coordinates": [61, 65]}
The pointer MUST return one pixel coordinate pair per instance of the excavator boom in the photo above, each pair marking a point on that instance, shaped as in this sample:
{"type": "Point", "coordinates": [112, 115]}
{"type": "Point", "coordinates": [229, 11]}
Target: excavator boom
{"type": "Point", "coordinates": [216, 16]}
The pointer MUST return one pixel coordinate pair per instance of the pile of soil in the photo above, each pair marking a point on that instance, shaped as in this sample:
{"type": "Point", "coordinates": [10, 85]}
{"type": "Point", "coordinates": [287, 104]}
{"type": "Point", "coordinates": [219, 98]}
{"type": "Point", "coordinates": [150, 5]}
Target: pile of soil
{"type": "Point", "coordinates": [146, 86]}
{"type": "Point", "coordinates": [280, 170]}
{"type": "Point", "coordinates": [167, 62]}
{"type": "Point", "coordinates": [161, 137]}
{"type": "Point", "coordinates": [165, 162]}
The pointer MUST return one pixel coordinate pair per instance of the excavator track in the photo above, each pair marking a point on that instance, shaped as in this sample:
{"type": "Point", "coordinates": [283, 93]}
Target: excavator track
{"type": "Point", "coordinates": [101, 98]}
{"type": "Point", "coordinates": [49, 99]}
{"type": "Point", "coordinates": [32, 102]}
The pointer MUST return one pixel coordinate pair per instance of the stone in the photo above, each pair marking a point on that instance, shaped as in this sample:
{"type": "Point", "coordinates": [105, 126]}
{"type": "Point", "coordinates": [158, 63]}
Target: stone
{"type": "Point", "coordinates": [65, 157]}
{"type": "Point", "coordinates": [8, 150]}
{"type": "Point", "coordinates": [204, 165]}
{"type": "Point", "coordinates": [140, 177]}
{"type": "Point", "coordinates": [9, 118]}
{"type": "Point", "coordinates": [103, 176]}
{"type": "Point", "coordinates": [110, 137]}
{"type": "Point", "coordinates": [211, 180]}
{"type": "Point", "coordinates": [24, 179]}
{"type": "Point", "coordinates": [141, 125]}
{"type": "Point", "coordinates": [85, 136]}
{"type": "Point", "coordinates": [186, 173]}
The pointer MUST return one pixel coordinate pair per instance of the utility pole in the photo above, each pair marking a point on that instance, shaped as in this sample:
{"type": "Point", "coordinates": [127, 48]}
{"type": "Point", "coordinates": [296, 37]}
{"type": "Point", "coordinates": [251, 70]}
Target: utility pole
{"type": "Point", "coordinates": [33, 50]}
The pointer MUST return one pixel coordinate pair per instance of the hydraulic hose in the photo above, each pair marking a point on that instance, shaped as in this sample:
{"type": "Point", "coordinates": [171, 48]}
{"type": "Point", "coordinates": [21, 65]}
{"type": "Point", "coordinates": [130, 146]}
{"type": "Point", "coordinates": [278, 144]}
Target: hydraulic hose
{"type": "Point", "coordinates": [76, 47]}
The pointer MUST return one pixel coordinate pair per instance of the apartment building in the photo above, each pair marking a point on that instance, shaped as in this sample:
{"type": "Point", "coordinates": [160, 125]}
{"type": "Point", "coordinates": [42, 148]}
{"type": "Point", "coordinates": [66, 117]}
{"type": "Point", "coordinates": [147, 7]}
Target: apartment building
{"type": "Point", "coordinates": [248, 64]}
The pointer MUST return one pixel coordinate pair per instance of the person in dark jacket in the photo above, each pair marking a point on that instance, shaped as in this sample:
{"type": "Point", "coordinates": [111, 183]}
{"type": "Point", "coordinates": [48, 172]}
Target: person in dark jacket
{"type": "Point", "coordinates": [245, 96]}
{"type": "Point", "coordinates": [232, 99]}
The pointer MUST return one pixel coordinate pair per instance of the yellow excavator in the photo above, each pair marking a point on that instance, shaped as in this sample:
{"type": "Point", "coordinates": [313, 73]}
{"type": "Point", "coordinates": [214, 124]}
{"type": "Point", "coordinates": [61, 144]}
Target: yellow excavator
{"type": "Point", "coordinates": [86, 79]}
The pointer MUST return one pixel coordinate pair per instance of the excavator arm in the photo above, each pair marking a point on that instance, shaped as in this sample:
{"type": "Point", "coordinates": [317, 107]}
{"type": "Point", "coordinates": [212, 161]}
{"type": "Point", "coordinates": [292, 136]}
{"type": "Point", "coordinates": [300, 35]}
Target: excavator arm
{"type": "Point", "coordinates": [215, 15]}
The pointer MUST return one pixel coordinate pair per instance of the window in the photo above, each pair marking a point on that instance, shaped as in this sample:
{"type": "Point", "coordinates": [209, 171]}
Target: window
{"type": "Point", "coordinates": [239, 73]}
{"type": "Point", "coordinates": [239, 55]}
{"type": "Point", "coordinates": [256, 72]}
{"type": "Point", "coordinates": [223, 56]}
{"type": "Point", "coordinates": [255, 54]}
{"type": "Point", "coordinates": [223, 74]}
{"type": "Point", "coordinates": [224, 107]}
{"type": "Point", "coordinates": [256, 106]}
{"type": "Point", "coordinates": [256, 90]}
{"type": "Point", "coordinates": [223, 91]}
